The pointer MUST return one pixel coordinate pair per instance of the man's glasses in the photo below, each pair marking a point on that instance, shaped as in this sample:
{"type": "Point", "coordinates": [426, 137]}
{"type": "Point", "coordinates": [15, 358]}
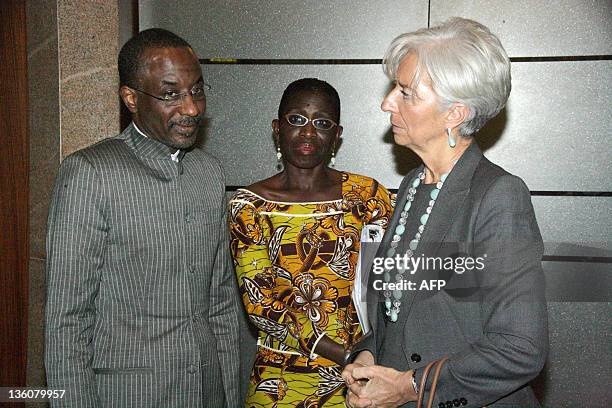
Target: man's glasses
{"type": "Point", "coordinates": [198, 93]}
{"type": "Point", "coordinates": [295, 119]}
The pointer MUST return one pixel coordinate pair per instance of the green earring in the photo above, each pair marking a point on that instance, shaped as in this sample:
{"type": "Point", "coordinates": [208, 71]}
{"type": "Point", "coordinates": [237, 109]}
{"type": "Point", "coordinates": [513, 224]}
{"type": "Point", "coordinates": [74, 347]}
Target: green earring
{"type": "Point", "coordinates": [451, 140]}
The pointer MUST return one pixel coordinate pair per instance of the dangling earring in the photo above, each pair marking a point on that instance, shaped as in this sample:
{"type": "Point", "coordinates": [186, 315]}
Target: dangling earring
{"type": "Point", "coordinates": [451, 140]}
{"type": "Point", "coordinates": [279, 156]}
{"type": "Point", "coordinates": [333, 156]}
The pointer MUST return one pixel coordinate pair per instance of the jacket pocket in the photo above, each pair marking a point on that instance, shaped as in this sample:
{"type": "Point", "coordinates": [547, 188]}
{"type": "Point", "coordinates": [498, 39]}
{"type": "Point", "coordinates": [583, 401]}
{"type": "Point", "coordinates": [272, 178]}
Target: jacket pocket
{"type": "Point", "coordinates": [129, 387]}
{"type": "Point", "coordinates": [126, 370]}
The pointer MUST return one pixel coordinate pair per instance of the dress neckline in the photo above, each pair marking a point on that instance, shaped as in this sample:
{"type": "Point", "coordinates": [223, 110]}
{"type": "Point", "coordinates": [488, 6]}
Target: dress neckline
{"type": "Point", "coordinates": [299, 202]}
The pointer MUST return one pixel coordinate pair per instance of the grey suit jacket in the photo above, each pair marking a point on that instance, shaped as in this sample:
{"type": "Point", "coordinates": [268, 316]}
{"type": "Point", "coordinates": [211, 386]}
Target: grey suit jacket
{"type": "Point", "coordinates": [491, 323]}
{"type": "Point", "coordinates": [141, 300]}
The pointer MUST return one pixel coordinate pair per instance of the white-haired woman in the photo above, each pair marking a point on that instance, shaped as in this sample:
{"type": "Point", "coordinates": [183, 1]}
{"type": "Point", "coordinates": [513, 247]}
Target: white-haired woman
{"type": "Point", "coordinates": [471, 301]}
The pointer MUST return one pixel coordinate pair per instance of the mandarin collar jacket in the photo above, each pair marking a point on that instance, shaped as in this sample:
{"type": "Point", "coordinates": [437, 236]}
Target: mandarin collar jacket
{"type": "Point", "coordinates": [142, 306]}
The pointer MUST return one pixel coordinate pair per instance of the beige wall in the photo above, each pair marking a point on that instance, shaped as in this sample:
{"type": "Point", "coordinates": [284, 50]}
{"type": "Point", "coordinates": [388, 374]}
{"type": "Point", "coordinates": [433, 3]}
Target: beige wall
{"type": "Point", "coordinates": [72, 53]}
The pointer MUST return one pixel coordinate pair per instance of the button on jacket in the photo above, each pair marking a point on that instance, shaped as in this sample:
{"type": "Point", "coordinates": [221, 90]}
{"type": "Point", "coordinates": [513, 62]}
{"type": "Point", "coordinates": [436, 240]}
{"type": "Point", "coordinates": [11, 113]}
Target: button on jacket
{"type": "Point", "coordinates": [142, 308]}
{"type": "Point", "coordinates": [491, 322]}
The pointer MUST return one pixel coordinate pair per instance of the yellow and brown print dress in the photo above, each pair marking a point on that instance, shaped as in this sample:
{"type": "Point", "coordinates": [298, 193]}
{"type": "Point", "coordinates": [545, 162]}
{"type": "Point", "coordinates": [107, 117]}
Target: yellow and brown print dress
{"type": "Point", "coordinates": [296, 264]}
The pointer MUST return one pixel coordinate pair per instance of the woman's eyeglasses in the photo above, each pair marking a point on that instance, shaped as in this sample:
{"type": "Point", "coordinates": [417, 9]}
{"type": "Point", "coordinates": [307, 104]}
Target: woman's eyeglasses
{"type": "Point", "coordinates": [295, 119]}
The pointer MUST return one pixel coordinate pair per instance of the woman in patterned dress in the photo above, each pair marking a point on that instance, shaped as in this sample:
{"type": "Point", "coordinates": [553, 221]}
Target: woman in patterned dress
{"type": "Point", "coordinates": [295, 240]}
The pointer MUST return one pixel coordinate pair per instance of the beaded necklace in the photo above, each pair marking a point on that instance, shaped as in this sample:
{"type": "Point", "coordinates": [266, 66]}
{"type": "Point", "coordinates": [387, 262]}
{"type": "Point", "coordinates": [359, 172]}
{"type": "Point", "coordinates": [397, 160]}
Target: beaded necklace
{"type": "Point", "coordinates": [393, 298]}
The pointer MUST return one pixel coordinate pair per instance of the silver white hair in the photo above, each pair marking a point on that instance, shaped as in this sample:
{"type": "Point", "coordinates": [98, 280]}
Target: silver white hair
{"type": "Point", "coordinates": [465, 62]}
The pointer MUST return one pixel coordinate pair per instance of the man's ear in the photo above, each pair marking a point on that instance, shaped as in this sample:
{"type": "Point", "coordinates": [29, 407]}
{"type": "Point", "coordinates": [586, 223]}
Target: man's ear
{"type": "Point", "coordinates": [456, 115]}
{"type": "Point", "coordinates": [129, 97]}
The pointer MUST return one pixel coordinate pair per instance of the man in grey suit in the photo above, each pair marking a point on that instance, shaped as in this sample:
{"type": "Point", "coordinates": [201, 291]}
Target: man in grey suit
{"type": "Point", "coordinates": [141, 308]}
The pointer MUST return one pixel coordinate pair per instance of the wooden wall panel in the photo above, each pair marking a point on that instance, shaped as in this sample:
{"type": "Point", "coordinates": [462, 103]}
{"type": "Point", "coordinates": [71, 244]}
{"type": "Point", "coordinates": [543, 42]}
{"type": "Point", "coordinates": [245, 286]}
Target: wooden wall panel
{"type": "Point", "coordinates": [13, 193]}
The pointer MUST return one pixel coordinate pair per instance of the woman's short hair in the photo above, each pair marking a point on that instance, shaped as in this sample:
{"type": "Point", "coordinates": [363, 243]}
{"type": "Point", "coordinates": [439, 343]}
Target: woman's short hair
{"type": "Point", "coordinates": [314, 85]}
{"type": "Point", "coordinates": [465, 62]}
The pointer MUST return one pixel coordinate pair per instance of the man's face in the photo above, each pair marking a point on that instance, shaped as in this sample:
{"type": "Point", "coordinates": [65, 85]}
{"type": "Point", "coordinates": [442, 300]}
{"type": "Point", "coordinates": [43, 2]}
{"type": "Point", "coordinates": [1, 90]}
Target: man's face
{"type": "Point", "coordinates": [168, 71]}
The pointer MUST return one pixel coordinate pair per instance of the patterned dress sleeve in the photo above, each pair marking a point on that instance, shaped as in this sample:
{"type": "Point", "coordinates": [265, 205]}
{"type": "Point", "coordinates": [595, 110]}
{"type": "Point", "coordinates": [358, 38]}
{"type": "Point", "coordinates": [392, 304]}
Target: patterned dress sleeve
{"type": "Point", "coordinates": [266, 289]}
{"type": "Point", "coordinates": [379, 207]}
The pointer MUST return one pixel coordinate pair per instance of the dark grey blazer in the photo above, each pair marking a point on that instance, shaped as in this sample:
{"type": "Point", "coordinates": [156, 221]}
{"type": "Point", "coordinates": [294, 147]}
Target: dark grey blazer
{"type": "Point", "coordinates": [492, 323]}
{"type": "Point", "coordinates": [141, 301]}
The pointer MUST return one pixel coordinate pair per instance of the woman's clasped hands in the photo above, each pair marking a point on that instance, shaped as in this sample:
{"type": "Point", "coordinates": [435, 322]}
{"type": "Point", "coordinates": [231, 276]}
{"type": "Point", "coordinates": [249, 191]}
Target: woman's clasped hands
{"type": "Point", "coordinates": [370, 385]}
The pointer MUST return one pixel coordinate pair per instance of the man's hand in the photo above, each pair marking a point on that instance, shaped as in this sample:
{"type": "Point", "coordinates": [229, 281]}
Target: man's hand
{"type": "Point", "coordinates": [385, 387]}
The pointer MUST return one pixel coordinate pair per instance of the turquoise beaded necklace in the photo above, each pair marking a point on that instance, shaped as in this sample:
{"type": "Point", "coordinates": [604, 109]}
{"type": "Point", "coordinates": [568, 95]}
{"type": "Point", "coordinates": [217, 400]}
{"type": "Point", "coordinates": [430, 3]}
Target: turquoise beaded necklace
{"type": "Point", "coordinates": [393, 298]}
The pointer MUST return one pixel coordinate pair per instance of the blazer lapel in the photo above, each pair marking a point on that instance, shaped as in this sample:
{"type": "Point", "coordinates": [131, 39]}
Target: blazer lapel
{"type": "Point", "coordinates": [443, 215]}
